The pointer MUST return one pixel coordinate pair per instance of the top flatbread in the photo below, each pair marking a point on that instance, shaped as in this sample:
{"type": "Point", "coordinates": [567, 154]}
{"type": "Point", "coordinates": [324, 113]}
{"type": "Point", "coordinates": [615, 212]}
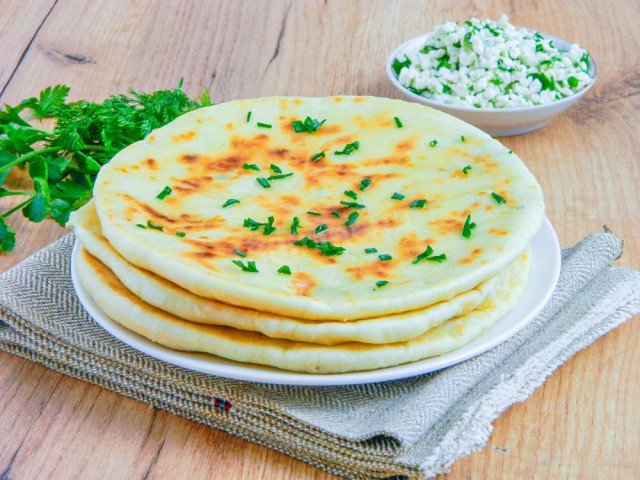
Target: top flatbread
{"type": "Point", "coordinates": [201, 157]}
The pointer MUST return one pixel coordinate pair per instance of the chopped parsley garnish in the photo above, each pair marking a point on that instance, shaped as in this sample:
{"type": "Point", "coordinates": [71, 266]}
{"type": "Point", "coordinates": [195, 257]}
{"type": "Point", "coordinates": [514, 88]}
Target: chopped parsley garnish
{"type": "Point", "coordinates": [231, 201]}
{"type": "Point", "coordinates": [348, 149]}
{"type": "Point", "coordinates": [252, 225]}
{"type": "Point", "coordinates": [278, 177]}
{"type": "Point", "coordinates": [398, 65]}
{"type": "Point", "coordinates": [353, 216]}
{"type": "Point", "coordinates": [462, 138]}
{"type": "Point", "coordinates": [313, 213]}
{"type": "Point", "coordinates": [318, 156]}
{"type": "Point", "coordinates": [295, 225]}
{"type": "Point", "coordinates": [370, 250]}
{"type": "Point", "coordinates": [164, 193]}
{"type": "Point", "coordinates": [239, 253]}
{"type": "Point", "coordinates": [466, 169]}
{"type": "Point", "coordinates": [351, 193]}
{"type": "Point", "coordinates": [326, 248]}
{"type": "Point", "coordinates": [384, 257]}
{"type": "Point", "coordinates": [264, 125]}
{"type": "Point", "coordinates": [250, 267]}
{"type": "Point", "coordinates": [498, 198]}
{"type": "Point", "coordinates": [248, 117]}
{"type": "Point", "coordinates": [139, 225]}
{"type": "Point", "coordinates": [398, 122]}
{"type": "Point", "coordinates": [510, 152]}
{"type": "Point", "coordinates": [433, 143]}
{"type": "Point", "coordinates": [397, 196]}
{"type": "Point", "coordinates": [321, 228]}
{"type": "Point", "coordinates": [309, 125]}
{"type": "Point", "coordinates": [180, 234]}
{"type": "Point", "coordinates": [155, 227]}
{"type": "Point", "coordinates": [352, 204]}
{"type": "Point", "coordinates": [275, 168]}
{"type": "Point", "coordinates": [251, 166]}
{"type": "Point", "coordinates": [468, 226]}
{"type": "Point", "coordinates": [381, 283]}
{"type": "Point", "coordinates": [336, 214]}
{"type": "Point", "coordinates": [365, 183]}
{"type": "Point", "coordinates": [428, 255]}
{"type": "Point", "coordinates": [284, 270]}
{"type": "Point", "coordinates": [263, 182]}
{"type": "Point", "coordinates": [420, 203]}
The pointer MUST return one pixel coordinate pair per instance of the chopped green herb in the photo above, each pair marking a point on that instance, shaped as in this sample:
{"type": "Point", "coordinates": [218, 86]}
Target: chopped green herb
{"type": "Point", "coordinates": [309, 125]}
{"type": "Point", "coordinates": [275, 168]}
{"type": "Point", "coordinates": [251, 166]}
{"type": "Point", "coordinates": [397, 196]}
{"type": "Point", "coordinates": [318, 156]}
{"type": "Point", "coordinates": [352, 204]}
{"type": "Point", "coordinates": [398, 65]}
{"type": "Point", "coordinates": [252, 225]}
{"type": "Point", "coordinates": [164, 193]}
{"type": "Point", "coordinates": [510, 152]}
{"type": "Point", "coordinates": [295, 225]}
{"type": "Point", "coordinates": [284, 270]}
{"type": "Point", "coordinates": [384, 257]}
{"type": "Point", "coordinates": [326, 248]}
{"type": "Point", "coordinates": [155, 227]}
{"type": "Point", "coordinates": [573, 82]}
{"type": "Point", "coordinates": [239, 253]}
{"type": "Point", "coordinates": [353, 216]}
{"type": "Point", "coordinates": [418, 203]}
{"type": "Point", "coordinates": [231, 201]}
{"type": "Point", "coordinates": [468, 226]}
{"type": "Point", "coordinates": [269, 228]}
{"type": "Point", "coordinates": [548, 83]}
{"type": "Point", "coordinates": [365, 183]}
{"type": "Point", "coordinates": [321, 228]}
{"type": "Point", "coordinates": [180, 234]}
{"type": "Point", "coordinates": [466, 169]}
{"type": "Point", "coordinates": [263, 182]}
{"type": "Point", "coordinates": [433, 143]}
{"type": "Point", "coordinates": [462, 138]}
{"type": "Point", "coordinates": [278, 177]}
{"type": "Point", "coordinates": [248, 117]}
{"type": "Point", "coordinates": [348, 149]}
{"type": "Point", "coordinates": [313, 213]}
{"type": "Point", "coordinates": [351, 193]}
{"type": "Point", "coordinates": [381, 283]}
{"type": "Point", "coordinates": [370, 250]}
{"type": "Point", "coordinates": [336, 214]}
{"type": "Point", "coordinates": [428, 255]}
{"type": "Point", "coordinates": [398, 122]}
{"type": "Point", "coordinates": [139, 225]}
{"type": "Point", "coordinates": [263, 125]}
{"type": "Point", "coordinates": [498, 198]}
{"type": "Point", "coordinates": [250, 267]}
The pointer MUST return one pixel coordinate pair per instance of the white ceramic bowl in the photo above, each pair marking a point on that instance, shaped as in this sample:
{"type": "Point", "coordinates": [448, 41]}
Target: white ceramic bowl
{"type": "Point", "coordinates": [498, 122]}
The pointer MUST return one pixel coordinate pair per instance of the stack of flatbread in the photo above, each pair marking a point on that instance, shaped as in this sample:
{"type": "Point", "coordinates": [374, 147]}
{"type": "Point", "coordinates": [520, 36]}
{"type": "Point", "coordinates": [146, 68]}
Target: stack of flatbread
{"type": "Point", "coordinates": [310, 234]}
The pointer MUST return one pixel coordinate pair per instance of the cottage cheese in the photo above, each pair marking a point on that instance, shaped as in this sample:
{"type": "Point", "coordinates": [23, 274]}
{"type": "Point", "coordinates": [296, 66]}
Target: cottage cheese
{"type": "Point", "coordinates": [486, 64]}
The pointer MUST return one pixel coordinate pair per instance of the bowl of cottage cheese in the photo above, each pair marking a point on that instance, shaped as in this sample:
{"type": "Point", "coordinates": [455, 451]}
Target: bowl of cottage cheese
{"type": "Point", "coordinates": [504, 79]}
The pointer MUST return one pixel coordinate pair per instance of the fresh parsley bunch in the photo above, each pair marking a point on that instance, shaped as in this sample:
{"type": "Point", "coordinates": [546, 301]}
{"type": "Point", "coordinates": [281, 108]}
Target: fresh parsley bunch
{"type": "Point", "coordinates": [64, 162]}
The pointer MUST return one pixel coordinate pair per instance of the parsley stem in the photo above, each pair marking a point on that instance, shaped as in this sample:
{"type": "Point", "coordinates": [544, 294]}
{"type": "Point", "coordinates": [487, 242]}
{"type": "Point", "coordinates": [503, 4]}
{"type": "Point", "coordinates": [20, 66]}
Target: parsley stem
{"type": "Point", "coordinates": [17, 207]}
{"type": "Point", "coordinates": [27, 156]}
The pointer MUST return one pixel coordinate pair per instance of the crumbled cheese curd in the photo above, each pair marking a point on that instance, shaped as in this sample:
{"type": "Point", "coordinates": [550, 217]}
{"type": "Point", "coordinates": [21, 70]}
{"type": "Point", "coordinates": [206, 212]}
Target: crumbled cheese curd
{"type": "Point", "coordinates": [486, 64]}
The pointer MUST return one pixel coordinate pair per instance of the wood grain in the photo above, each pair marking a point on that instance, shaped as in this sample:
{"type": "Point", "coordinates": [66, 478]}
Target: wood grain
{"type": "Point", "coordinates": [582, 423]}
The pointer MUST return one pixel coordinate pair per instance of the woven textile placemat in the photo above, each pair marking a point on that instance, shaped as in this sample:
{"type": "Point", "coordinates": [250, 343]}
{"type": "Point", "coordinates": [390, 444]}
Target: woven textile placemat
{"type": "Point", "coordinates": [411, 428]}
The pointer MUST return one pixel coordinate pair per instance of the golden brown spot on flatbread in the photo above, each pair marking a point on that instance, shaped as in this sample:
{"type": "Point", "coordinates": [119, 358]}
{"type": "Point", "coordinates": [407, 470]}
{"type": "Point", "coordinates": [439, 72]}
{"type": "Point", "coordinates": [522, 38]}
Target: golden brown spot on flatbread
{"type": "Point", "coordinates": [150, 163]}
{"type": "Point", "coordinates": [475, 205]}
{"type": "Point", "coordinates": [297, 101]}
{"type": "Point", "coordinates": [488, 208]}
{"type": "Point", "coordinates": [459, 151]}
{"type": "Point", "coordinates": [284, 105]}
{"type": "Point", "coordinates": [184, 137]}
{"type": "Point", "coordinates": [121, 169]}
{"type": "Point", "coordinates": [187, 158]}
{"type": "Point", "coordinates": [255, 143]}
{"type": "Point", "coordinates": [410, 246]}
{"type": "Point", "coordinates": [406, 145]}
{"type": "Point", "coordinates": [229, 126]}
{"type": "Point", "coordinates": [360, 99]}
{"type": "Point", "coordinates": [180, 223]}
{"type": "Point", "coordinates": [404, 161]}
{"type": "Point", "coordinates": [151, 138]}
{"type": "Point", "coordinates": [485, 160]}
{"type": "Point", "coordinates": [498, 232]}
{"type": "Point", "coordinates": [458, 174]}
{"type": "Point", "coordinates": [291, 200]}
{"type": "Point", "coordinates": [199, 120]}
{"type": "Point", "coordinates": [135, 167]}
{"type": "Point", "coordinates": [227, 163]}
{"type": "Point", "coordinates": [377, 269]}
{"type": "Point", "coordinates": [337, 99]}
{"type": "Point", "coordinates": [191, 185]}
{"type": "Point", "coordinates": [278, 153]}
{"type": "Point", "coordinates": [475, 253]}
{"type": "Point", "coordinates": [447, 226]}
{"type": "Point", "coordinates": [303, 283]}
{"type": "Point", "coordinates": [330, 172]}
{"type": "Point", "coordinates": [505, 194]}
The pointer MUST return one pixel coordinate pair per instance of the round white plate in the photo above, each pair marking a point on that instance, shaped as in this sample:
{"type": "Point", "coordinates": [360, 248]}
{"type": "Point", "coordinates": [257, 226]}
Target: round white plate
{"type": "Point", "coordinates": [545, 269]}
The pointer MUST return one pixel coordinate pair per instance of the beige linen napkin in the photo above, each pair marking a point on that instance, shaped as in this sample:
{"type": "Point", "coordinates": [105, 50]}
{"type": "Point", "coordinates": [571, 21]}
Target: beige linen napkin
{"type": "Point", "coordinates": [411, 428]}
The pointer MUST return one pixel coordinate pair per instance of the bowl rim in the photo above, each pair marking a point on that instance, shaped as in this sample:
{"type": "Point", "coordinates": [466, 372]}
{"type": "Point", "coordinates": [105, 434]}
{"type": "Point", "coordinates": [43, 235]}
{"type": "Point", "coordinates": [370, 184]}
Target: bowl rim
{"type": "Point", "coordinates": [593, 69]}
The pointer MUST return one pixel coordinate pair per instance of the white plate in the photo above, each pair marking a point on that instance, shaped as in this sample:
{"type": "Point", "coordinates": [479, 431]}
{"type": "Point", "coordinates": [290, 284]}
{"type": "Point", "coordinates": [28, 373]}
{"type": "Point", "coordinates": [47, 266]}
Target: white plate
{"type": "Point", "coordinates": [545, 269]}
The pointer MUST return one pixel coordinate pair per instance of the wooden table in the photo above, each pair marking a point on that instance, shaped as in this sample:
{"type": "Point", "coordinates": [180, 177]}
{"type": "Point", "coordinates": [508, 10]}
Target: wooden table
{"type": "Point", "coordinates": [583, 423]}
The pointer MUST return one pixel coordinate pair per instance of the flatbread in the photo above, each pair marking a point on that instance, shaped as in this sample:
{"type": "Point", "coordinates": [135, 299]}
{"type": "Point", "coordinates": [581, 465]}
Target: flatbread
{"type": "Point", "coordinates": [201, 157]}
{"type": "Point", "coordinates": [171, 298]}
{"type": "Point", "coordinates": [243, 346]}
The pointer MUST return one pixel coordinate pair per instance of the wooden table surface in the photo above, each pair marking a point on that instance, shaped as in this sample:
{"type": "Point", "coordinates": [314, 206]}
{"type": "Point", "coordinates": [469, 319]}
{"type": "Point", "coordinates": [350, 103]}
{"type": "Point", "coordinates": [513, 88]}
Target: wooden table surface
{"type": "Point", "coordinates": [584, 422]}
